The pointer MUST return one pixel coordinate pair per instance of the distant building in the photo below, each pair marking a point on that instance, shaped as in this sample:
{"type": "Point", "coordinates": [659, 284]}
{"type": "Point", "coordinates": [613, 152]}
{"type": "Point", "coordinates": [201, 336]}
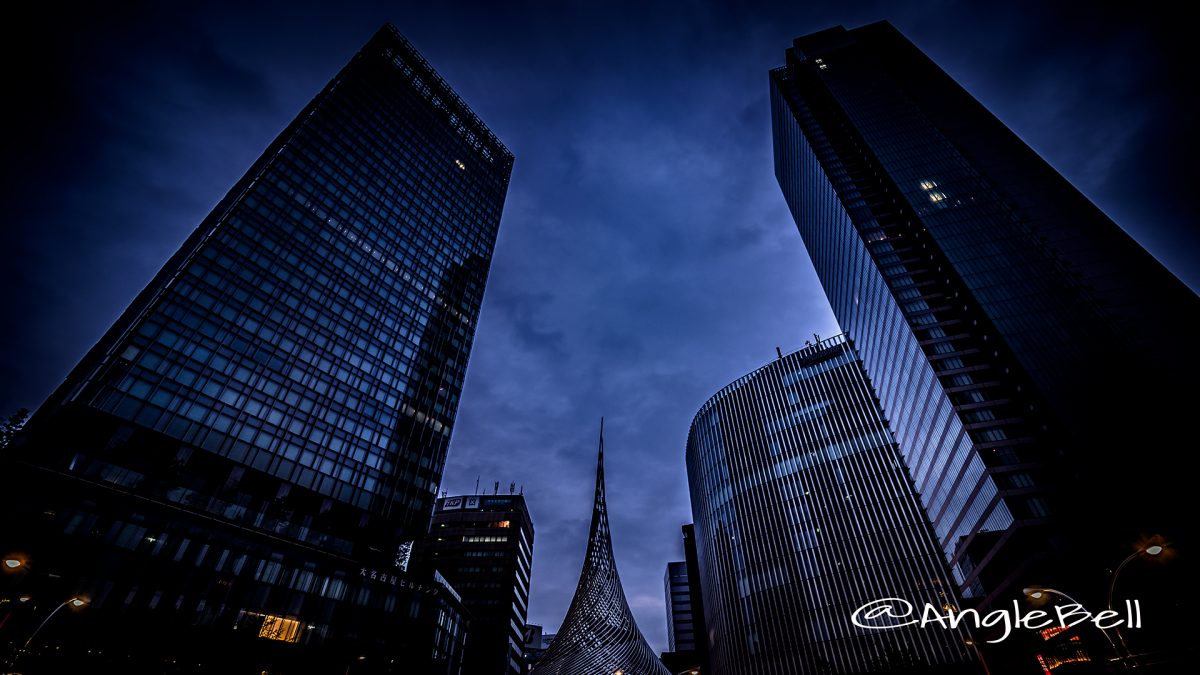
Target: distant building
{"type": "Point", "coordinates": [233, 476]}
{"type": "Point", "coordinates": [483, 545]}
{"type": "Point", "coordinates": [681, 614]}
{"type": "Point", "coordinates": [536, 644]}
{"type": "Point", "coordinates": [680, 635]}
{"type": "Point", "coordinates": [599, 635]}
{"type": "Point", "coordinates": [696, 594]}
{"type": "Point", "coordinates": [804, 512]}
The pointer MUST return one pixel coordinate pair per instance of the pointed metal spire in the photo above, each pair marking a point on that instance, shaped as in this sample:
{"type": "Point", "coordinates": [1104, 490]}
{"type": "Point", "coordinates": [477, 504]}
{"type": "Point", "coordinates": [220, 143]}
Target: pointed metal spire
{"type": "Point", "coordinates": [599, 635]}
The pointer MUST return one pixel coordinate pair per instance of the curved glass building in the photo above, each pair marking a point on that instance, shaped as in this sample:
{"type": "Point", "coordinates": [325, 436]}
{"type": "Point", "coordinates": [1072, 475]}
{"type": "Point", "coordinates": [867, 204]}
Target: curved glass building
{"type": "Point", "coordinates": [804, 512]}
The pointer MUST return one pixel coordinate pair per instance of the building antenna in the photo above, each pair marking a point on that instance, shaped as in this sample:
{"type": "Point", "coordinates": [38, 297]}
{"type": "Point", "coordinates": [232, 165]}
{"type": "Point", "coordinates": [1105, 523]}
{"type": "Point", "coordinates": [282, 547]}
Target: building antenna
{"type": "Point", "coordinates": [778, 352]}
{"type": "Point", "coordinates": [476, 484]}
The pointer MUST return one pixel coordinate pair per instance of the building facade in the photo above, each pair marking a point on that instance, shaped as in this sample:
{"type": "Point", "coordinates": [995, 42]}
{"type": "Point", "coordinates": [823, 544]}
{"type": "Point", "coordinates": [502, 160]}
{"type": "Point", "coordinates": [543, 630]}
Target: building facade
{"type": "Point", "coordinates": [680, 628]}
{"type": "Point", "coordinates": [536, 644]}
{"type": "Point", "coordinates": [599, 635]}
{"type": "Point", "coordinates": [238, 468]}
{"type": "Point", "coordinates": [483, 545]}
{"type": "Point", "coordinates": [1020, 342]}
{"type": "Point", "coordinates": [696, 595]}
{"type": "Point", "coordinates": [804, 512]}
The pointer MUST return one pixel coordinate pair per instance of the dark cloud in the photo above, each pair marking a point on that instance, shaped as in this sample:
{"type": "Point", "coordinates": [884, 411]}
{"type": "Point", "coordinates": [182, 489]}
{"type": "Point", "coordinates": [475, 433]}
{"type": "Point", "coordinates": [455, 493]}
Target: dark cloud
{"type": "Point", "coordinates": [646, 257]}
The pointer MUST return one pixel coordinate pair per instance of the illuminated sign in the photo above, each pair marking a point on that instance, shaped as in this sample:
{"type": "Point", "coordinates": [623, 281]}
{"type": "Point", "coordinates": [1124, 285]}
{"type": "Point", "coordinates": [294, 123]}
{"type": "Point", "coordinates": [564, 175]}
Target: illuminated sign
{"type": "Point", "coordinates": [472, 503]}
{"type": "Point", "coordinates": [452, 503]}
{"type": "Point", "coordinates": [386, 577]}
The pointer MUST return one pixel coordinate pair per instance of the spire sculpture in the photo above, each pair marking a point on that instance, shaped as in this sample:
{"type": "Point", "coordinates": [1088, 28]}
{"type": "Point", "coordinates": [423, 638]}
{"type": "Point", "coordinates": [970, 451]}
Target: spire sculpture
{"type": "Point", "coordinates": [599, 635]}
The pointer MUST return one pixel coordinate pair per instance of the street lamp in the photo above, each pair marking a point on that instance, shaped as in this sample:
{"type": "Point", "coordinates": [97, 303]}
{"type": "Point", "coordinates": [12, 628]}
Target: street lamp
{"type": "Point", "coordinates": [74, 603]}
{"type": "Point", "coordinates": [1039, 592]}
{"type": "Point", "coordinates": [1152, 551]}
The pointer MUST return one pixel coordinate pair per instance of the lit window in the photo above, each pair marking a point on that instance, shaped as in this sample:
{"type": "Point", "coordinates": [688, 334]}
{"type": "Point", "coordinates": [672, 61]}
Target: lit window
{"type": "Point", "coordinates": [821, 64]}
{"type": "Point", "coordinates": [928, 185]}
{"type": "Point", "coordinates": [504, 523]}
{"type": "Point", "coordinates": [460, 164]}
{"type": "Point", "coordinates": [279, 628]}
{"type": "Point", "coordinates": [936, 197]}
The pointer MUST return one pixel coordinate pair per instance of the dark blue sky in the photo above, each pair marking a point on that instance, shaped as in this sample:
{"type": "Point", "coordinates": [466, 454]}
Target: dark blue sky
{"type": "Point", "coordinates": [646, 257]}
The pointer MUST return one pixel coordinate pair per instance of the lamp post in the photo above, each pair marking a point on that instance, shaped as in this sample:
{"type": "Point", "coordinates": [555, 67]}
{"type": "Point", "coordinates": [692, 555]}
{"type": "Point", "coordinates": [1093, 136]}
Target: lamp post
{"type": "Point", "coordinates": [1037, 593]}
{"type": "Point", "coordinates": [1151, 551]}
{"type": "Point", "coordinates": [73, 603]}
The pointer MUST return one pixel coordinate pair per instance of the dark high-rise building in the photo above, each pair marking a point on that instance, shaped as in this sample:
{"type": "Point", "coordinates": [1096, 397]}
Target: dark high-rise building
{"type": "Point", "coordinates": [599, 635]}
{"type": "Point", "coordinates": [804, 512]}
{"type": "Point", "coordinates": [1022, 344]}
{"type": "Point", "coordinates": [483, 545]}
{"type": "Point", "coordinates": [696, 595]}
{"type": "Point", "coordinates": [234, 474]}
{"type": "Point", "coordinates": [686, 633]}
{"type": "Point", "coordinates": [681, 624]}
{"type": "Point", "coordinates": [680, 629]}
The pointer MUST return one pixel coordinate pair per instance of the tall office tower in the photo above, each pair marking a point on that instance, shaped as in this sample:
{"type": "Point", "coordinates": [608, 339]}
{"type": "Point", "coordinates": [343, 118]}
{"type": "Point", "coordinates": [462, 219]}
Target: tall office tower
{"type": "Point", "coordinates": [804, 512]}
{"type": "Point", "coordinates": [1020, 342]}
{"type": "Point", "coordinates": [483, 545]}
{"type": "Point", "coordinates": [599, 635]}
{"type": "Point", "coordinates": [680, 633]}
{"type": "Point", "coordinates": [243, 459]}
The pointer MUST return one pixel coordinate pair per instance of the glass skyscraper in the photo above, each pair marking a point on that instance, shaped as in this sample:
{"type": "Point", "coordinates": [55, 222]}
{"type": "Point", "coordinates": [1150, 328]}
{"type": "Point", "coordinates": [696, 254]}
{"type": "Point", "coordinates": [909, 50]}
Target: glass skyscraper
{"type": "Point", "coordinates": [252, 447]}
{"type": "Point", "coordinates": [804, 512]}
{"type": "Point", "coordinates": [1023, 346]}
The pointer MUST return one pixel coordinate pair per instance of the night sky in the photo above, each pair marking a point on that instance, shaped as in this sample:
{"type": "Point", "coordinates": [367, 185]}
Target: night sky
{"type": "Point", "coordinates": [646, 257]}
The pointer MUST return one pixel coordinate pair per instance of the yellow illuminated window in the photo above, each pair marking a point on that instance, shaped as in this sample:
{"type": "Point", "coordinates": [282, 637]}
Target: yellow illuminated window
{"type": "Point", "coordinates": [936, 197]}
{"type": "Point", "coordinates": [504, 523]}
{"type": "Point", "coordinates": [928, 185]}
{"type": "Point", "coordinates": [279, 628]}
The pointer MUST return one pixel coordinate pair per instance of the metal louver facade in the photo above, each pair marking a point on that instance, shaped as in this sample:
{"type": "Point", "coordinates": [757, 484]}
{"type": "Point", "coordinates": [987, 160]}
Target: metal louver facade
{"type": "Point", "coordinates": [599, 635]}
{"type": "Point", "coordinates": [804, 512]}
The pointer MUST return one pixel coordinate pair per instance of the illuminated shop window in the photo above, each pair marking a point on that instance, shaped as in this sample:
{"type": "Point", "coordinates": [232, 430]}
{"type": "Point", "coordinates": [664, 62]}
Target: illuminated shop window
{"type": "Point", "coordinates": [279, 628]}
